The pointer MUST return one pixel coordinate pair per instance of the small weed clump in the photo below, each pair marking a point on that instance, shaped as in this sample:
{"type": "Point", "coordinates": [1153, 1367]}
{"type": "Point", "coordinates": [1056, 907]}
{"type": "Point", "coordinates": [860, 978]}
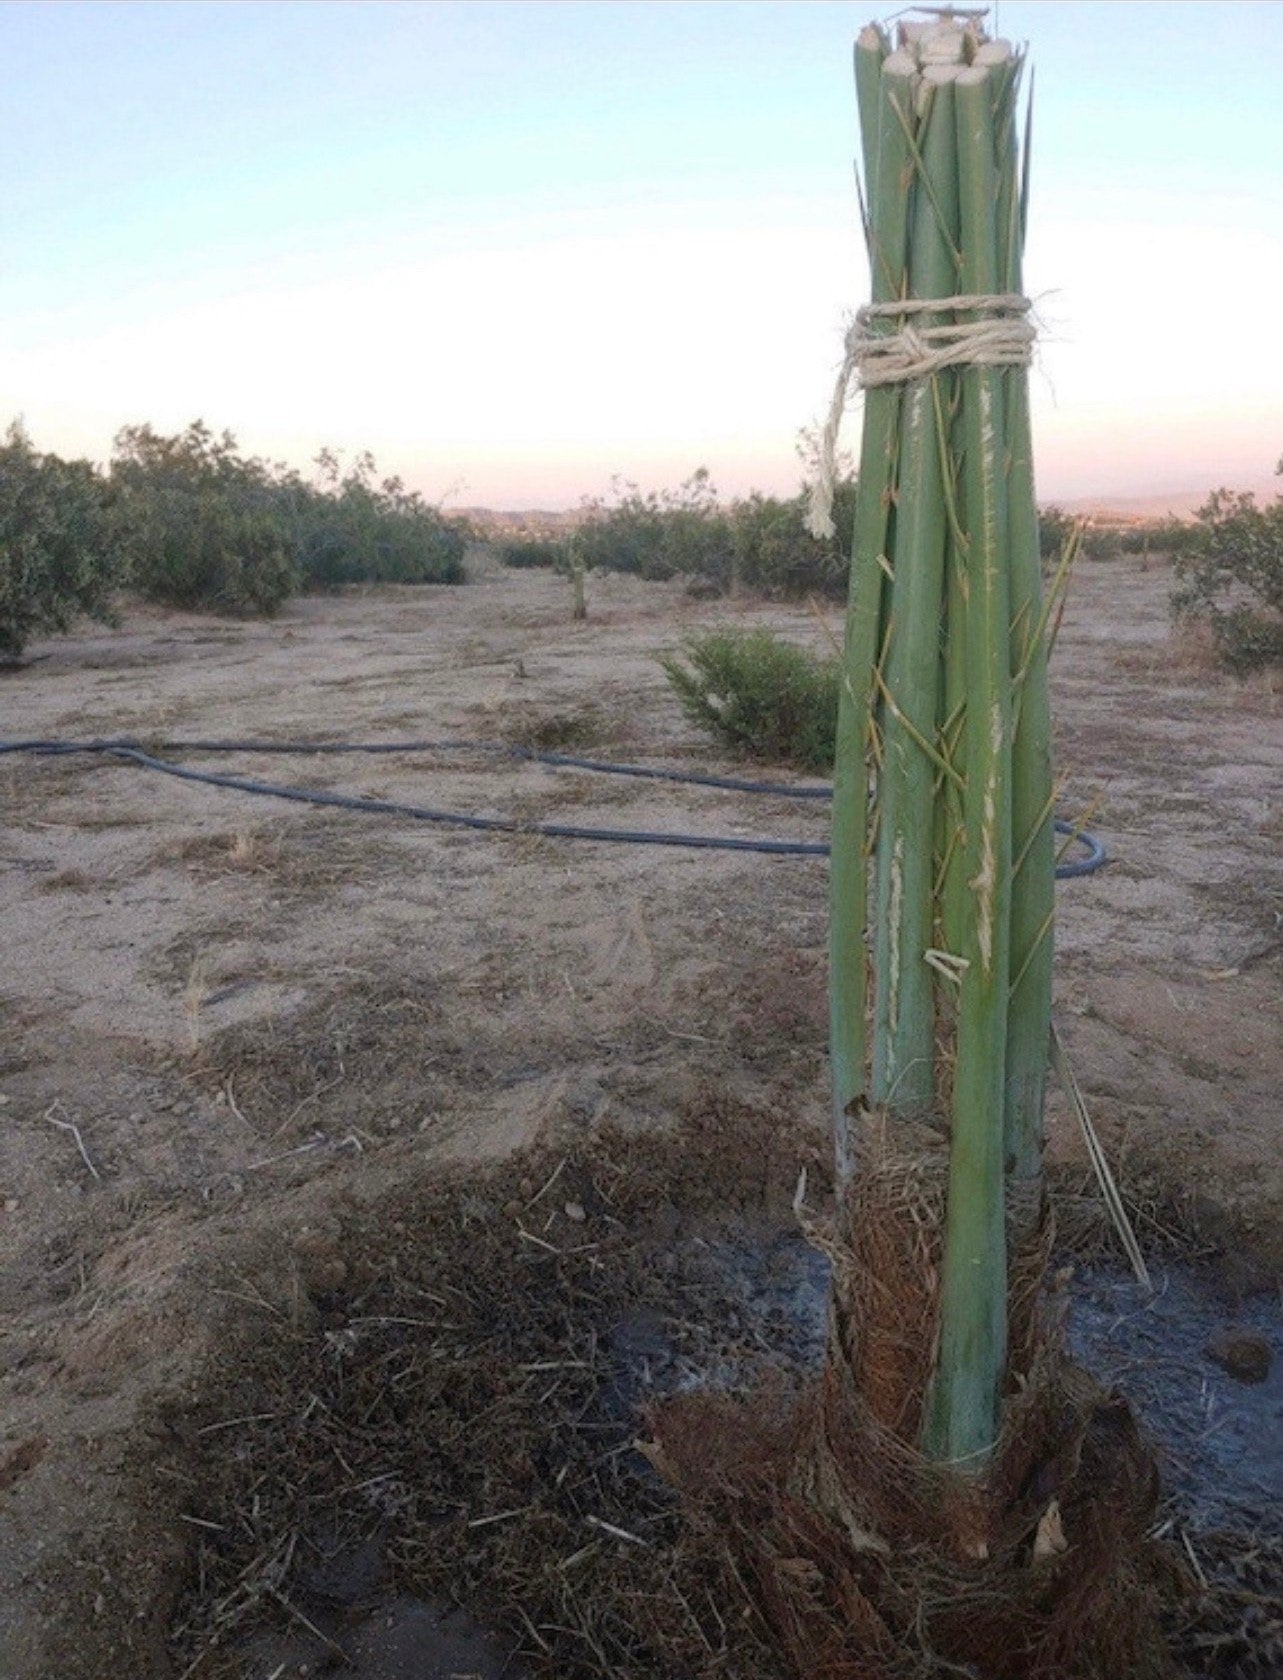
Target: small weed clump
{"type": "Point", "coordinates": [1231, 577]}
{"type": "Point", "coordinates": [759, 695]}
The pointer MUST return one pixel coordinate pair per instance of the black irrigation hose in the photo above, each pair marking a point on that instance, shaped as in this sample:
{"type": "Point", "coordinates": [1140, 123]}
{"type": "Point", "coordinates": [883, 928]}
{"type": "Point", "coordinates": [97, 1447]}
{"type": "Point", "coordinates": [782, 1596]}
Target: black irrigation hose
{"type": "Point", "coordinates": [133, 752]}
{"type": "Point", "coordinates": [498, 749]}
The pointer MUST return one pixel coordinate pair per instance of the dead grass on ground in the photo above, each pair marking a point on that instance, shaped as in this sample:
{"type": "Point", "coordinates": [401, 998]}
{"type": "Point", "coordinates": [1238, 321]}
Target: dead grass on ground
{"type": "Point", "coordinates": [454, 1415]}
{"type": "Point", "coordinates": [873, 1562]}
{"type": "Point", "coordinates": [467, 1403]}
{"type": "Point", "coordinates": [302, 860]}
{"type": "Point", "coordinates": [572, 727]}
{"type": "Point", "coordinates": [1189, 656]}
{"type": "Point", "coordinates": [68, 880]}
{"type": "Point", "coordinates": [377, 1055]}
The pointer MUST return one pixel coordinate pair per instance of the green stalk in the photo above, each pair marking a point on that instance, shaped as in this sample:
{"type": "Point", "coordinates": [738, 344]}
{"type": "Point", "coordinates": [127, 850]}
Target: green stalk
{"type": "Point", "coordinates": [871, 50]}
{"type": "Point", "coordinates": [1033, 886]}
{"type": "Point", "coordinates": [963, 1405]}
{"type": "Point", "coordinates": [889, 82]}
{"type": "Point", "coordinates": [953, 894]}
{"type": "Point", "coordinates": [904, 915]}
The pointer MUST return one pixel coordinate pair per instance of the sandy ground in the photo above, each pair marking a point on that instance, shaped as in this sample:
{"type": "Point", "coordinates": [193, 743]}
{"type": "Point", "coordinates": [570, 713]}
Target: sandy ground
{"type": "Point", "coordinates": [223, 1017]}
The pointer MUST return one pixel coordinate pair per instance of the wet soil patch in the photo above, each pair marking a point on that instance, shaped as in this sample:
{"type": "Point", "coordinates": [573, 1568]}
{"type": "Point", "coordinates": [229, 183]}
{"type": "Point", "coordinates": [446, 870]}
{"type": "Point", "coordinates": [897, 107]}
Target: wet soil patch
{"type": "Point", "coordinates": [441, 1465]}
{"type": "Point", "coordinates": [1220, 1437]}
{"type": "Point", "coordinates": [1219, 1441]}
{"type": "Point", "coordinates": [404, 1639]}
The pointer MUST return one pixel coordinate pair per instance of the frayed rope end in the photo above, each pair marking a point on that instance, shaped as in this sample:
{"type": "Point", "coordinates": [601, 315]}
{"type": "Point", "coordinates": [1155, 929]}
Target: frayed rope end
{"type": "Point", "coordinates": [819, 518]}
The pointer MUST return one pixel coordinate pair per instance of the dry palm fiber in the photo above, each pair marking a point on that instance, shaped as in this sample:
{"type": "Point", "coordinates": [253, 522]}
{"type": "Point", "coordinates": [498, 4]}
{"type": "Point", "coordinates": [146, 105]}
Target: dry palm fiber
{"type": "Point", "coordinates": [952, 1495]}
{"type": "Point", "coordinates": [870, 1560]}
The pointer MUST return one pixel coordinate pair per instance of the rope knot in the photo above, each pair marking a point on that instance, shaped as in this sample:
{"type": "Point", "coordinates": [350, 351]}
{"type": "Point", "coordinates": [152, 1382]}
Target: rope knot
{"type": "Point", "coordinates": [998, 334]}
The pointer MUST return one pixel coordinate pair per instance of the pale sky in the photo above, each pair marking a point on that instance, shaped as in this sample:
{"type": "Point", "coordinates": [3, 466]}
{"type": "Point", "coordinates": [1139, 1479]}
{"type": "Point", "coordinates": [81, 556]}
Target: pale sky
{"type": "Point", "coordinates": [514, 249]}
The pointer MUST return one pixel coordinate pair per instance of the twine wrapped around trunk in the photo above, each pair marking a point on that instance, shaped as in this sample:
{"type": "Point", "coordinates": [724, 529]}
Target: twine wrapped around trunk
{"type": "Point", "coordinates": [1002, 335]}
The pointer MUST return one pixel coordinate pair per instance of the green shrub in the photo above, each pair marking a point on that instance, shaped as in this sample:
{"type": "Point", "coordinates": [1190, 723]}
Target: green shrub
{"type": "Point", "coordinates": [202, 526]}
{"type": "Point", "coordinates": [1248, 641]}
{"type": "Point", "coordinates": [1231, 576]}
{"type": "Point", "coordinates": [759, 695]}
{"type": "Point", "coordinates": [528, 552]}
{"type": "Point", "coordinates": [658, 535]}
{"type": "Point", "coordinates": [776, 555]}
{"type": "Point", "coordinates": [208, 527]}
{"type": "Point", "coordinates": [1055, 528]}
{"type": "Point", "coordinates": [190, 521]}
{"type": "Point", "coordinates": [760, 543]}
{"type": "Point", "coordinates": [354, 528]}
{"type": "Point", "coordinates": [1171, 537]}
{"type": "Point", "coordinates": [58, 557]}
{"type": "Point", "coordinates": [1102, 542]}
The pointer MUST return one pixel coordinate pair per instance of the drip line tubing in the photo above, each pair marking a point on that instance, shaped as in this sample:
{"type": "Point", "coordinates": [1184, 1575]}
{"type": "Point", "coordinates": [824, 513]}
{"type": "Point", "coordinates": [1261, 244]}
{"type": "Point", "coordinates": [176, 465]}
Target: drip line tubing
{"type": "Point", "coordinates": [1093, 855]}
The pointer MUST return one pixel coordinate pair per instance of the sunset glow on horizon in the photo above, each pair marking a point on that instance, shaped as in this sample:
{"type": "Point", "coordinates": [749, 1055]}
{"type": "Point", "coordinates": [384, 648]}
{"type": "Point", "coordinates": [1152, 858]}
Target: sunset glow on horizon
{"type": "Point", "coordinates": [517, 249]}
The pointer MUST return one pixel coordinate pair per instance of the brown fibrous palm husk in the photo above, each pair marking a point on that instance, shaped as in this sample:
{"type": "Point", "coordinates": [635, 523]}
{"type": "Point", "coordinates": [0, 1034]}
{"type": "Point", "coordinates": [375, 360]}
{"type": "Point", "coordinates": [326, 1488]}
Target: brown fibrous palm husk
{"type": "Point", "coordinates": [870, 1561]}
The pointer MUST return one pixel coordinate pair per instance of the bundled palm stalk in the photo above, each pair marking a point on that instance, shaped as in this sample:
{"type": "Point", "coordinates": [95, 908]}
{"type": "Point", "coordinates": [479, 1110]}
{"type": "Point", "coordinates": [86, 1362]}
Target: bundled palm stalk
{"type": "Point", "coordinates": [952, 1492]}
{"type": "Point", "coordinates": [946, 692]}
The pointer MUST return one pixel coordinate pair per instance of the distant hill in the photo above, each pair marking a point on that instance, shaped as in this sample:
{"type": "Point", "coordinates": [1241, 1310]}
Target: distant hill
{"type": "Point", "coordinates": [500, 524]}
{"type": "Point", "coordinates": [504, 524]}
{"type": "Point", "coordinates": [1178, 504]}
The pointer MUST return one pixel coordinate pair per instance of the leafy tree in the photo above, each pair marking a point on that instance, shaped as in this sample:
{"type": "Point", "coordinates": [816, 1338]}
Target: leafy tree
{"type": "Point", "coordinates": [58, 556]}
{"type": "Point", "coordinates": [1231, 577]}
{"type": "Point", "coordinates": [355, 528]}
{"type": "Point", "coordinates": [203, 526]}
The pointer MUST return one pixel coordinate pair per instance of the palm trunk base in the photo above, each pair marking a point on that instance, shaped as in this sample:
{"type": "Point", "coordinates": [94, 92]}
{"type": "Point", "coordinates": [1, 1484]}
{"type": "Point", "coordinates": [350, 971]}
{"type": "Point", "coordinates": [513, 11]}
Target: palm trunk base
{"type": "Point", "coordinates": [870, 1561]}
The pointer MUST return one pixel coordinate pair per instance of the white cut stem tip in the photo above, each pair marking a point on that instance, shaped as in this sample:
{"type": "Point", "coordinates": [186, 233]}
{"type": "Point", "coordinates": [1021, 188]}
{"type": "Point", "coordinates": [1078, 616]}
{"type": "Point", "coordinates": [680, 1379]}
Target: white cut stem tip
{"type": "Point", "coordinates": [900, 63]}
{"type": "Point", "coordinates": [943, 46]}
